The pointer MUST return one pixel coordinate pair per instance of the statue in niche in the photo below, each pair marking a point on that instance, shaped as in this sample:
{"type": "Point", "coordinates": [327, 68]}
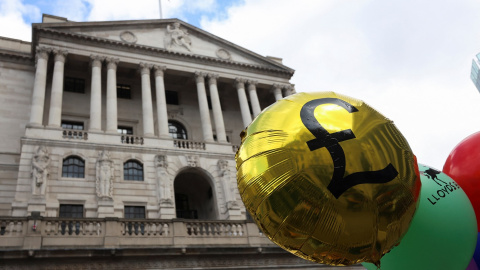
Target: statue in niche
{"type": "Point", "coordinates": [177, 37]}
{"type": "Point", "coordinates": [164, 183]}
{"type": "Point", "coordinates": [40, 163]}
{"type": "Point", "coordinates": [228, 187]}
{"type": "Point", "coordinates": [105, 175]}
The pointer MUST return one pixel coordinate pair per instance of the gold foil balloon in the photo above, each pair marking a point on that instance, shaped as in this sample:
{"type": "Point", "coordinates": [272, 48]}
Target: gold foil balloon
{"type": "Point", "coordinates": [328, 178]}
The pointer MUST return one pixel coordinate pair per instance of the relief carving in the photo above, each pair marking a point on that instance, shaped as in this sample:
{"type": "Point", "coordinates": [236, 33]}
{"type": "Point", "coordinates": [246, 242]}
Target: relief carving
{"type": "Point", "coordinates": [192, 161]}
{"type": "Point", "coordinates": [177, 37]}
{"type": "Point", "coordinates": [40, 163]}
{"type": "Point", "coordinates": [105, 174]}
{"type": "Point", "coordinates": [228, 187]}
{"type": "Point", "coordinates": [164, 183]}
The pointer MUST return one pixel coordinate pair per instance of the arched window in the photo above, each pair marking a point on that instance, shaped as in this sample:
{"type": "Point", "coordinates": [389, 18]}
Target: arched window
{"type": "Point", "coordinates": [133, 170]}
{"type": "Point", "coordinates": [177, 130]}
{"type": "Point", "coordinates": [73, 167]}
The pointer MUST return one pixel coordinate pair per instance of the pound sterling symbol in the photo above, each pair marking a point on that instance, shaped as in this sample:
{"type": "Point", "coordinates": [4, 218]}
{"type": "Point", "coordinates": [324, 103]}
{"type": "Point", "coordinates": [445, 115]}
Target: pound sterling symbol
{"type": "Point", "coordinates": [338, 184]}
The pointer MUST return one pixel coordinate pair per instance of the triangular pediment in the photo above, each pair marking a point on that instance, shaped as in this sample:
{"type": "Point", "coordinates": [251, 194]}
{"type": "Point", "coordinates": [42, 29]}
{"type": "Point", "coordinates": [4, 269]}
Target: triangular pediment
{"type": "Point", "coordinates": [171, 35]}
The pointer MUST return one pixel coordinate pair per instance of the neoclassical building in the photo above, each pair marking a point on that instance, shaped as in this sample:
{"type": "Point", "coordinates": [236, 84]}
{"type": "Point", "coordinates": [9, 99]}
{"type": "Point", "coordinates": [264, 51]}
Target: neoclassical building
{"type": "Point", "coordinates": [117, 147]}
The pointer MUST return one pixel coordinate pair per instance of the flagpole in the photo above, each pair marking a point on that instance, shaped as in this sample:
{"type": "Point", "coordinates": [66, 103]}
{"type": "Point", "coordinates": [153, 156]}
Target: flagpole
{"type": "Point", "coordinates": [160, 5]}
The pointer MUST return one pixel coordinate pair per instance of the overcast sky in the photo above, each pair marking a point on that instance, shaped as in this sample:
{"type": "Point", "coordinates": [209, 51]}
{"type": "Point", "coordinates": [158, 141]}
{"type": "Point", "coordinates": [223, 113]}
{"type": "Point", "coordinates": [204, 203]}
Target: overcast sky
{"type": "Point", "coordinates": [409, 59]}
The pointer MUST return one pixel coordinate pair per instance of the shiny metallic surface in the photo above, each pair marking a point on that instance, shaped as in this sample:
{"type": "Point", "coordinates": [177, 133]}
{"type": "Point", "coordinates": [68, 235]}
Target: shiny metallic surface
{"type": "Point", "coordinates": [322, 192]}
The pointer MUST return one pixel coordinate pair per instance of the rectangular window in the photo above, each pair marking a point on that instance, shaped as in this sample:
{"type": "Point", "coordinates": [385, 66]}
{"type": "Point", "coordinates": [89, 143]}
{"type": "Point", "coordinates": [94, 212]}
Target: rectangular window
{"type": "Point", "coordinates": [134, 212]}
{"type": "Point", "coordinates": [75, 85]}
{"type": "Point", "coordinates": [172, 97]}
{"type": "Point", "coordinates": [71, 210]}
{"type": "Point", "coordinates": [72, 125]}
{"type": "Point", "coordinates": [125, 130]}
{"type": "Point", "coordinates": [124, 91]}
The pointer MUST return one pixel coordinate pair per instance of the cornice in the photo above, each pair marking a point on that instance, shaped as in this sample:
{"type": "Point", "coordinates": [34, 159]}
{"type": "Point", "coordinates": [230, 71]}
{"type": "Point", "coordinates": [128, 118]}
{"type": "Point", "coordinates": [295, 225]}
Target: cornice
{"type": "Point", "coordinates": [16, 57]}
{"type": "Point", "coordinates": [163, 52]}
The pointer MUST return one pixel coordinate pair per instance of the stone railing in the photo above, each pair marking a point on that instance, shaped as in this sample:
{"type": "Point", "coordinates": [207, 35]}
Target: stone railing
{"type": "Point", "coordinates": [11, 227]}
{"type": "Point", "coordinates": [73, 227]}
{"type": "Point", "coordinates": [130, 139]}
{"type": "Point", "coordinates": [140, 227]}
{"type": "Point", "coordinates": [217, 228]}
{"type": "Point", "coordinates": [186, 144]}
{"type": "Point", "coordinates": [75, 134]}
{"type": "Point", "coordinates": [235, 148]}
{"type": "Point", "coordinates": [76, 233]}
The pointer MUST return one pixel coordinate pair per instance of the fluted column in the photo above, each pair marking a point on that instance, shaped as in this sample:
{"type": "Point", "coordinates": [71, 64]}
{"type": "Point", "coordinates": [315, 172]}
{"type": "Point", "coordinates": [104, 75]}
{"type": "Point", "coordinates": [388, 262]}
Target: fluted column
{"type": "Point", "coordinates": [242, 97]}
{"type": "Point", "coordinates": [217, 108]}
{"type": "Point", "coordinates": [38, 96]}
{"type": "Point", "coordinates": [96, 93]}
{"type": "Point", "coordinates": [252, 91]}
{"type": "Point", "coordinates": [162, 116]}
{"type": "Point", "coordinates": [112, 117]}
{"type": "Point", "coordinates": [147, 109]}
{"type": "Point", "coordinates": [203, 105]}
{"type": "Point", "coordinates": [55, 114]}
{"type": "Point", "coordinates": [277, 91]}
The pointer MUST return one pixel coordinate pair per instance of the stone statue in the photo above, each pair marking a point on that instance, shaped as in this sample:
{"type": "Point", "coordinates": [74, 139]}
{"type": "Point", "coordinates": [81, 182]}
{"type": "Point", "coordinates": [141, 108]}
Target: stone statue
{"type": "Point", "coordinates": [105, 174]}
{"type": "Point", "coordinates": [228, 187]}
{"type": "Point", "coordinates": [177, 37]}
{"type": "Point", "coordinates": [40, 163]}
{"type": "Point", "coordinates": [164, 182]}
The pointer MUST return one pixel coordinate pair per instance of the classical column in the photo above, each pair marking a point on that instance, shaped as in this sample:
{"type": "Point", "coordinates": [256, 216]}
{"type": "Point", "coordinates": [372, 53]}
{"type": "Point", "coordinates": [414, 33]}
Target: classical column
{"type": "Point", "coordinates": [96, 93]}
{"type": "Point", "coordinates": [162, 116]}
{"type": "Point", "coordinates": [277, 91]}
{"type": "Point", "coordinates": [147, 109]}
{"type": "Point", "coordinates": [55, 114]}
{"type": "Point", "coordinates": [242, 97]}
{"type": "Point", "coordinates": [288, 90]}
{"type": "Point", "coordinates": [217, 108]}
{"type": "Point", "coordinates": [112, 95]}
{"type": "Point", "coordinates": [203, 105]}
{"type": "Point", "coordinates": [38, 97]}
{"type": "Point", "coordinates": [252, 91]}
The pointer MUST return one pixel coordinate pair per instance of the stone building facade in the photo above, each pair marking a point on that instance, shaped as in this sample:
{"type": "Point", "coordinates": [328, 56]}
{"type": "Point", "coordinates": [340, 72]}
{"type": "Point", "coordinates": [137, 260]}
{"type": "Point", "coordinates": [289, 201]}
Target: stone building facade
{"type": "Point", "coordinates": [118, 142]}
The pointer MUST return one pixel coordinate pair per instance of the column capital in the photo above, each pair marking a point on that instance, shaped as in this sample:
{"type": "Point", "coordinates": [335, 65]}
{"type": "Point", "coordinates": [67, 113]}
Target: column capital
{"type": "Point", "coordinates": [42, 52]}
{"type": "Point", "coordinates": [212, 78]}
{"type": "Point", "coordinates": [276, 86]}
{"type": "Point", "coordinates": [60, 55]}
{"type": "Point", "coordinates": [112, 62]}
{"type": "Point", "coordinates": [159, 70]}
{"type": "Point", "coordinates": [239, 83]}
{"type": "Point", "coordinates": [145, 68]}
{"type": "Point", "coordinates": [200, 77]}
{"type": "Point", "coordinates": [96, 60]}
{"type": "Point", "coordinates": [289, 89]}
{"type": "Point", "coordinates": [251, 85]}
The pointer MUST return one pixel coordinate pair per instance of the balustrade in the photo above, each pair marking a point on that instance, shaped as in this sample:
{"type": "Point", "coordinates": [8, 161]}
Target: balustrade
{"type": "Point", "coordinates": [214, 228]}
{"type": "Point", "coordinates": [75, 134]}
{"type": "Point", "coordinates": [53, 232]}
{"type": "Point", "coordinates": [186, 144]}
{"type": "Point", "coordinates": [130, 139]}
{"type": "Point", "coordinates": [11, 227]}
{"type": "Point", "coordinates": [235, 148]}
{"type": "Point", "coordinates": [144, 228]}
{"type": "Point", "coordinates": [72, 227]}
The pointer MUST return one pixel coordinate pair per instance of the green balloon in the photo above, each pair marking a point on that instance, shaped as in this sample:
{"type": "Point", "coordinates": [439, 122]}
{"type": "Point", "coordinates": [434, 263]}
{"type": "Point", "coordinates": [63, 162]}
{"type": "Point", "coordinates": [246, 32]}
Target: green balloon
{"type": "Point", "coordinates": [443, 232]}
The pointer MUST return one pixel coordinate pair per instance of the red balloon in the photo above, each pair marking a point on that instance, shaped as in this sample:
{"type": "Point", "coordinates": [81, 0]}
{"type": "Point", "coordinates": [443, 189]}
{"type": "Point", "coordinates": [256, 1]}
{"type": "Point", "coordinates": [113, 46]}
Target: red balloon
{"type": "Point", "coordinates": [463, 165]}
